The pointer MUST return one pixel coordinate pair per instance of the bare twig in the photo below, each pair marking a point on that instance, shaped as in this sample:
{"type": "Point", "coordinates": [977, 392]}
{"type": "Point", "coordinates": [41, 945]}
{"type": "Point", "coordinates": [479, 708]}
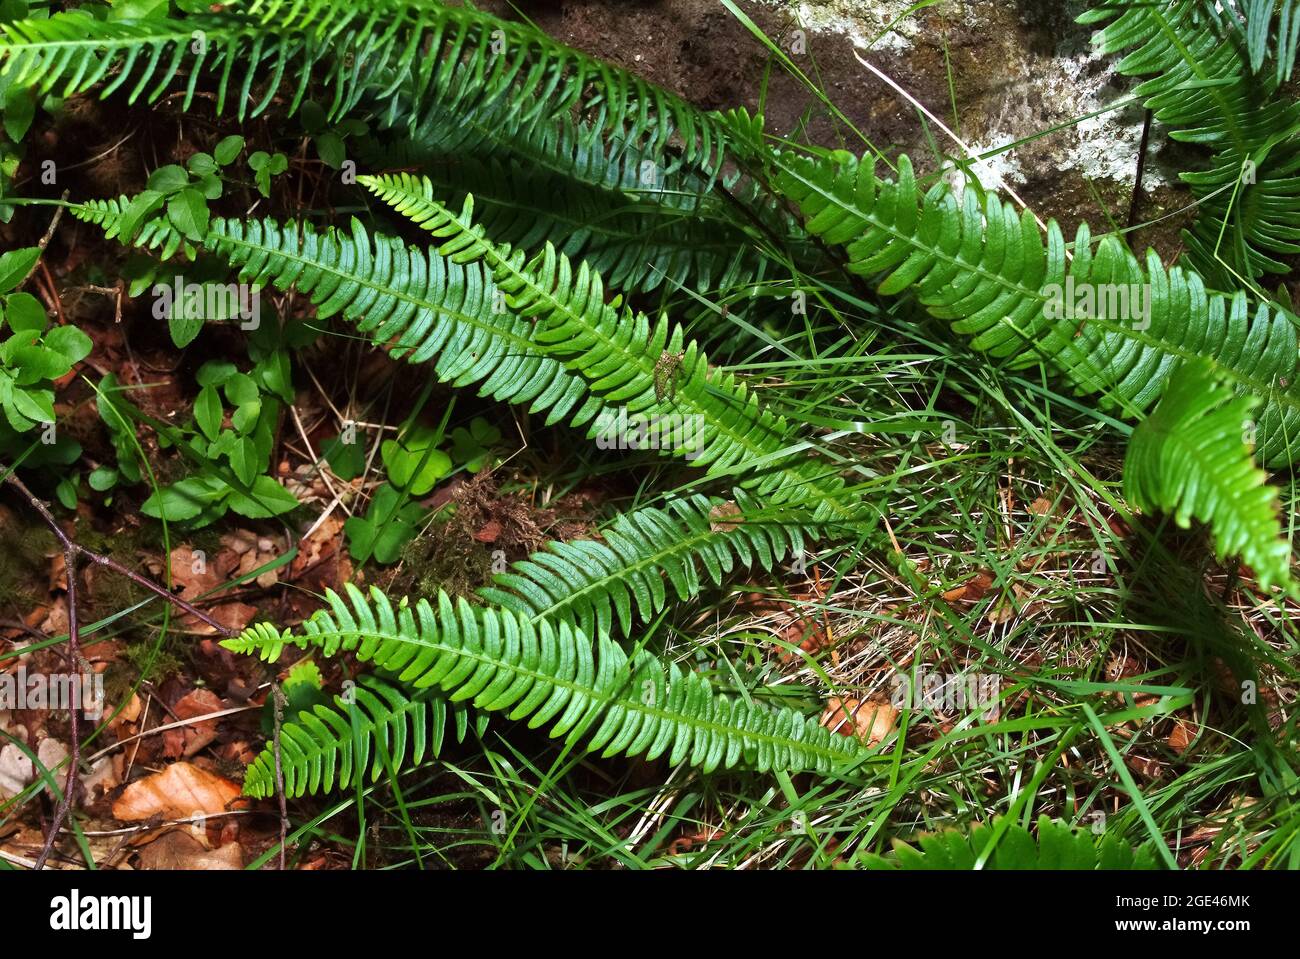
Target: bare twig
{"type": "Point", "coordinates": [45, 240]}
{"type": "Point", "coordinates": [110, 563]}
{"type": "Point", "coordinates": [1141, 168]}
{"type": "Point", "coordinates": [278, 703]}
{"type": "Point", "coordinates": [74, 666]}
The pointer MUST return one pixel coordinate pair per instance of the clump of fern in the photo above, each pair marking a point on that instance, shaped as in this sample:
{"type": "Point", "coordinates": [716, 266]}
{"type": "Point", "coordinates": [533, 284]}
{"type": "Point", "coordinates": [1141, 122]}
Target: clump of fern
{"type": "Point", "coordinates": [508, 295]}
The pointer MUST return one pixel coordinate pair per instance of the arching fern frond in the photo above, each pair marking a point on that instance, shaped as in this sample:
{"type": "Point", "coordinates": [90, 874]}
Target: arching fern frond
{"type": "Point", "coordinates": [73, 52]}
{"type": "Point", "coordinates": [589, 692]}
{"type": "Point", "coordinates": [1058, 846]}
{"type": "Point", "coordinates": [1190, 458]}
{"type": "Point", "coordinates": [427, 307]}
{"type": "Point", "coordinates": [986, 271]}
{"type": "Point", "coordinates": [635, 244]}
{"type": "Point", "coordinates": [377, 725]}
{"type": "Point", "coordinates": [398, 55]}
{"type": "Point", "coordinates": [641, 555]}
{"type": "Point", "coordinates": [620, 353]}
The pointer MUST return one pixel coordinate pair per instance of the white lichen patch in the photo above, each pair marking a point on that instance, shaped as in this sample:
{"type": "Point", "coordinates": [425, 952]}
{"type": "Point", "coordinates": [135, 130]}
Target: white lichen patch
{"type": "Point", "coordinates": [880, 26]}
{"type": "Point", "coordinates": [1025, 91]}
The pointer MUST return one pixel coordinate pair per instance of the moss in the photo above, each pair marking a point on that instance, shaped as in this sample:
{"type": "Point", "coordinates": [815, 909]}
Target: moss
{"type": "Point", "coordinates": [24, 550]}
{"type": "Point", "coordinates": [446, 557]}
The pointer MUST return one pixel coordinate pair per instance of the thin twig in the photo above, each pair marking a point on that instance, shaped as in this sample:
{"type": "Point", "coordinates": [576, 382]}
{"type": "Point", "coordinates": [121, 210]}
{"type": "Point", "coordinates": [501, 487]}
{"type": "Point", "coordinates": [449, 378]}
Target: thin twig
{"type": "Point", "coordinates": [278, 703]}
{"type": "Point", "coordinates": [74, 666]}
{"type": "Point", "coordinates": [1141, 167]}
{"type": "Point", "coordinates": [45, 240]}
{"type": "Point", "coordinates": [110, 563]}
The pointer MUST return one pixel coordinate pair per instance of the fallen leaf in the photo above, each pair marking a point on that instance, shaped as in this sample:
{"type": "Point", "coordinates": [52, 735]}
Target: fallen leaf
{"type": "Point", "coordinates": [725, 516]}
{"type": "Point", "coordinates": [973, 589]}
{"type": "Point", "coordinates": [870, 721]}
{"type": "Point", "coordinates": [51, 753]}
{"type": "Point", "coordinates": [1182, 736]}
{"type": "Point", "coordinates": [198, 702]}
{"type": "Point", "coordinates": [16, 771]}
{"type": "Point", "coordinates": [177, 849]}
{"type": "Point", "coordinates": [178, 792]}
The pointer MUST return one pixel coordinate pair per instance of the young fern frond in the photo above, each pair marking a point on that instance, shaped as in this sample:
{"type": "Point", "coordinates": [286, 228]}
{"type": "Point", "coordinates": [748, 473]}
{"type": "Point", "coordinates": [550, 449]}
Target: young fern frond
{"type": "Point", "coordinates": [620, 352]}
{"type": "Point", "coordinates": [376, 727]}
{"type": "Point", "coordinates": [1207, 83]}
{"type": "Point", "coordinates": [1058, 846]}
{"type": "Point", "coordinates": [1190, 458]}
{"type": "Point", "coordinates": [628, 571]}
{"type": "Point", "coordinates": [589, 692]}
{"type": "Point", "coordinates": [986, 271]}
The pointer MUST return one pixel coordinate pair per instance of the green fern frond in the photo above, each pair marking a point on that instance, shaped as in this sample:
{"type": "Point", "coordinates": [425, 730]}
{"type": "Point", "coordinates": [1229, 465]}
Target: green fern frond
{"type": "Point", "coordinates": [427, 307]}
{"type": "Point", "coordinates": [620, 354]}
{"type": "Point", "coordinates": [446, 307]}
{"type": "Point", "coordinates": [72, 52]}
{"type": "Point", "coordinates": [1058, 846]}
{"type": "Point", "coordinates": [1206, 83]}
{"type": "Point", "coordinates": [398, 55]}
{"type": "Point", "coordinates": [986, 271]}
{"type": "Point", "coordinates": [635, 243]}
{"type": "Point", "coordinates": [1190, 457]}
{"type": "Point", "coordinates": [375, 726]}
{"type": "Point", "coordinates": [554, 676]}
{"type": "Point", "coordinates": [113, 217]}
{"type": "Point", "coordinates": [641, 554]}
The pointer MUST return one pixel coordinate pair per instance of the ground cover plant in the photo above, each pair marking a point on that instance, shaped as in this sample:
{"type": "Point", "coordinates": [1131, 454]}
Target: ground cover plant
{"type": "Point", "coordinates": [428, 445]}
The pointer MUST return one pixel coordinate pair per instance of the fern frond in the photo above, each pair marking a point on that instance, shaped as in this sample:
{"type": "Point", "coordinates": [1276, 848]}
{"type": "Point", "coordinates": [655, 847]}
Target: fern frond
{"type": "Point", "coordinates": [1058, 846]}
{"type": "Point", "coordinates": [986, 271]}
{"type": "Point", "coordinates": [635, 243]}
{"type": "Point", "coordinates": [1205, 81]}
{"type": "Point", "coordinates": [1190, 457]}
{"type": "Point", "coordinates": [554, 676]}
{"type": "Point", "coordinates": [398, 55]}
{"type": "Point", "coordinates": [627, 573]}
{"type": "Point", "coordinates": [110, 215]}
{"type": "Point", "coordinates": [619, 353]}
{"type": "Point", "coordinates": [72, 52]}
{"type": "Point", "coordinates": [331, 747]}
{"type": "Point", "coordinates": [427, 307]}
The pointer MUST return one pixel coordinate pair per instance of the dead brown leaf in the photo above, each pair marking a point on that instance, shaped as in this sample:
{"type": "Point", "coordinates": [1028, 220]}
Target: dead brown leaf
{"type": "Point", "coordinates": [178, 792]}
{"type": "Point", "coordinates": [177, 849]}
{"type": "Point", "coordinates": [870, 721]}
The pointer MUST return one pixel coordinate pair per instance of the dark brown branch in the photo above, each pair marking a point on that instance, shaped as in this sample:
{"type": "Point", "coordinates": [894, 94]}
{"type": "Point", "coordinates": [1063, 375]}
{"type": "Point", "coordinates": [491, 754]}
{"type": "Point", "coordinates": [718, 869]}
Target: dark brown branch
{"type": "Point", "coordinates": [45, 240]}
